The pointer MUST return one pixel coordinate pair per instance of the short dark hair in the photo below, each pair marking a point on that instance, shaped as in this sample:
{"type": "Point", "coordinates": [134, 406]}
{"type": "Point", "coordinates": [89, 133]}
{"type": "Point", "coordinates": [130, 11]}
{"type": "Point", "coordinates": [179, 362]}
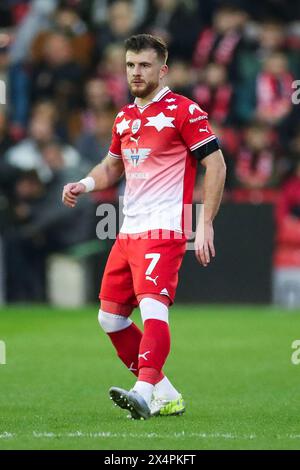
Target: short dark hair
{"type": "Point", "coordinates": [141, 42]}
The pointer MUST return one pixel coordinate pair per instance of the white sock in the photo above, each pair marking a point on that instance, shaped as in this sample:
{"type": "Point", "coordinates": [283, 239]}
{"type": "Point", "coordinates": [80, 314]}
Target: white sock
{"type": "Point", "coordinates": [164, 389]}
{"type": "Point", "coordinates": [145, 390]}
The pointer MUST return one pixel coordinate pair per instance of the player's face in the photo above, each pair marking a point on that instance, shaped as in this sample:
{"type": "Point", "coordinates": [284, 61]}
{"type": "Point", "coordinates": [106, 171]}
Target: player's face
{"type": "Point", "coordinates": [144, 72]}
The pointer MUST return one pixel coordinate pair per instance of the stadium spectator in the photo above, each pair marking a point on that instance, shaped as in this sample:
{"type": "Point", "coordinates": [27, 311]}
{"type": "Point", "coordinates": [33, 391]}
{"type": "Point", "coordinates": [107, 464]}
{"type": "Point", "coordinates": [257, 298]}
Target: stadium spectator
{"type": "Point", "coordinates": [41, 225]}
{"type": "Point", "coordinates": [37, 19]}
{"type": "Point", "coordinates": [27, 154]}
{"type": "Point", "coordinates": [214, 93]}
{"type": "Point", "coordinates": [45, 109]}
{"type": "Point", "coordinates": [274, 90]}
{"type": "Point", "coordinates": [267, 37]}
{"type": "Point", "coordinates": [93, 144]}
{"type": "Point", "coordinates": [15, 79]}
{"type": "Point", "coordinates": [24, 258]}
{"type": "Point", "coordinates": [52, 218]}
{"type": "Point", "coordinates": [268, 98]}
{"type": "Point", "coordinates": [58, 76]}
{"type": "Point", "coordinates": [67, 21]}
{"type": "Point", "coordinates": [256, 170]}
{"type": "Point", "coordinates": [99, 10]}
{"type": "Point", "coordinates": [287, 216]}
{"type": "Point", "coordinates": [96, 97]}
{"type": "Point", "coordinates": [177, 22]}
{"type": "Point", "coordinates": [121, 22]}
{"type": "Point", "coordinates": [222, 42]}
{"type": "Point", "coordinates": [111, 71]}
{"type": "Point", "coordinates": [180, 77]}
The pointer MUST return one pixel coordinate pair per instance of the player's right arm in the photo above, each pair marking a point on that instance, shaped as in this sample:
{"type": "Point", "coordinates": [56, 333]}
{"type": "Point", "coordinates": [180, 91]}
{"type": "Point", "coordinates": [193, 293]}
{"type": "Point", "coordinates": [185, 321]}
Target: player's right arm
{"type": "Point", "coordinates": [102, 176]}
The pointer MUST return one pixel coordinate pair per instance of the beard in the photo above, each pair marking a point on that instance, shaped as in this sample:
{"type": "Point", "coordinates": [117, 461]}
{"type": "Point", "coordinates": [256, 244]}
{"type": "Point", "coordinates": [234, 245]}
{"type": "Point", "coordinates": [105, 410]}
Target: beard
{"type": "Point", "coordinates": [143, 90]}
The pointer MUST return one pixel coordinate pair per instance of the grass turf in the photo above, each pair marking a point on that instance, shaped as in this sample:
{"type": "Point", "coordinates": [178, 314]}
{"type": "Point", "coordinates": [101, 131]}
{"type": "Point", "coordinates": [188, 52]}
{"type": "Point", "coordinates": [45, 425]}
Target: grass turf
{"type": "Point", "coordinates": [232, 364]}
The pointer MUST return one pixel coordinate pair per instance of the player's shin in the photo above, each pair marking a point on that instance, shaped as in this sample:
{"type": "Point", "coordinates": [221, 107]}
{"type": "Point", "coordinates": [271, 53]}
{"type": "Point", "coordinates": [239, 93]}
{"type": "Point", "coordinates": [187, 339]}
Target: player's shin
{"type": "Point", "coordinates": [125, 337]}
{"type": "Point", "coordinates": [154, 346]}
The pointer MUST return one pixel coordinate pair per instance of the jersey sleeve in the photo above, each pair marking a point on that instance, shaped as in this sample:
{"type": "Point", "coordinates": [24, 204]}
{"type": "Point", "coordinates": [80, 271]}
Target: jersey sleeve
{"type": "Point", "coordinates": [196, 131]}
{"type": "Point", "coordinates": [115, 146]}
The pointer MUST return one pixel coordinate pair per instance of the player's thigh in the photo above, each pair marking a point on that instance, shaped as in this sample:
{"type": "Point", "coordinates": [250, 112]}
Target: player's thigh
{"type": "Point", "coordinates": [108, 306]}
{"type": "Point", "coordinates": [155, 265]}
{"type": "Point", "coordinates": [117, 282]}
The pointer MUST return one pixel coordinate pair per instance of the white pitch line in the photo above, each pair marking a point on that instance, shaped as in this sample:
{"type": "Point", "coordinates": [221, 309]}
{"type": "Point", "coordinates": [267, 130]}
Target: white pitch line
{"type": "Point", "coordinates": [181, 435]}
{"type": "Point", "coordinates": [152, 435]}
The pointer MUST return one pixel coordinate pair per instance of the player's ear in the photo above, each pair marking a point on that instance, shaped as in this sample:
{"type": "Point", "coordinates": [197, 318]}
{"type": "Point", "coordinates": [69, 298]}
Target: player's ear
{"type": "Point", "coordinates": [163, 71]}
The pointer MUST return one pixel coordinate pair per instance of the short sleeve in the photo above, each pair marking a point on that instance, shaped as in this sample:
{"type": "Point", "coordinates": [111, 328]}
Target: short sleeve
{"type": "Point", "coordinates": [115, 146]}
{"type": "Point", "coordinates": [195, 130]}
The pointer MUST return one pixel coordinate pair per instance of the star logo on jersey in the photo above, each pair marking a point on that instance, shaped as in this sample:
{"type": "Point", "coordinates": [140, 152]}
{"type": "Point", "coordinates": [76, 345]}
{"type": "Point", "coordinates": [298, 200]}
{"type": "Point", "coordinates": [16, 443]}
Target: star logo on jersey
{"type": "Point", "coordinates": [122, 126]}
{"type": "Point", "coordinates": [170, 100]}
{"type": "Point", "coordinates": [136, 156]}
{"type": "Point", "coordinates": [193, 107]}
{"type": "Point", "coordinates": [174, 106]}
{"type": "Point", "coordinates": [160, 122]}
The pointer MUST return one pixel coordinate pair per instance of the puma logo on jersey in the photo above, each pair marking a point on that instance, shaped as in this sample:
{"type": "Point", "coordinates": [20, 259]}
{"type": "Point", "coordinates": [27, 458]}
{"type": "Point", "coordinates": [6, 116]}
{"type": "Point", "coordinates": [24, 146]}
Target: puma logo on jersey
{"type": "Point", "coordinates": [143, 356]}
{"type": "Point", "coordinates": [204, 130]}
{"type": "Point", "coordinates": [136, 140]}
{"type": "Point", "coordinates": [151, 279]}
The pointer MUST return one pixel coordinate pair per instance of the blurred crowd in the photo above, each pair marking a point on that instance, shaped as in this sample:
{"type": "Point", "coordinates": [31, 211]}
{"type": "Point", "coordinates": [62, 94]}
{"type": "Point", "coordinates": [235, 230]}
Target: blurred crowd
{"type": "Point", "coordinates": [63, 65]}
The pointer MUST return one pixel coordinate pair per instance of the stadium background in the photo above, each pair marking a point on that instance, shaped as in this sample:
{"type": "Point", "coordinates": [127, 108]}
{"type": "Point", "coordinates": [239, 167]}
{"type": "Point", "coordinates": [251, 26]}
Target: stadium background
{"type": "Point", "coordinates": [63, 66]}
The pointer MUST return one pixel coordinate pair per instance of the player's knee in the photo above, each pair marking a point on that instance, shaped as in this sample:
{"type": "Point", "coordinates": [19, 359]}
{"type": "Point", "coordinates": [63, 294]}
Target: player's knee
{"type": "Point", "coordinates": [154, 310]}
{"type": "Point", "coordinates": [111, 322]}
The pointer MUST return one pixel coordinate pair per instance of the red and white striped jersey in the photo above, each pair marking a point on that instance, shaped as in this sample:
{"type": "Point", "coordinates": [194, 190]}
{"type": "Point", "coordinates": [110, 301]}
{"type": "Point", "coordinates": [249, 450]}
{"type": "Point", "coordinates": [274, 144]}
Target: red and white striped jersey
{"type": "Point", "coordinates": [156, 142]}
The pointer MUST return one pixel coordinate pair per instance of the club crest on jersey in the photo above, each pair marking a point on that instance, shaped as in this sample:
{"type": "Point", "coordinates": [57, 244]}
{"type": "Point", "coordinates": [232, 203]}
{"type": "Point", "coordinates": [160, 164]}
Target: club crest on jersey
{"type": "Point", "coordinates": [136, 126]}
{"type": "Point", "coordinates": [136, 156]}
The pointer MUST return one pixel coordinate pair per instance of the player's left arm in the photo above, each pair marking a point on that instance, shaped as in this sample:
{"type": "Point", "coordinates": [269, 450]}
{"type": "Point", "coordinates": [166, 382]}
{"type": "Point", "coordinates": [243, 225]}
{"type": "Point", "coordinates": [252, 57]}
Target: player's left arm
{"type": "Point", "coordinates": [194, 128]}
{"type": "Point", "coordinates": [214, 180]}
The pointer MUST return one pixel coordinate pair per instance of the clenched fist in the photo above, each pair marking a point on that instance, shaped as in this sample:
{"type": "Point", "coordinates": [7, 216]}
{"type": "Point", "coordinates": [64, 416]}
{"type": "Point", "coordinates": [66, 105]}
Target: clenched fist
{"type": "Point", "coordinates": [71, 192]}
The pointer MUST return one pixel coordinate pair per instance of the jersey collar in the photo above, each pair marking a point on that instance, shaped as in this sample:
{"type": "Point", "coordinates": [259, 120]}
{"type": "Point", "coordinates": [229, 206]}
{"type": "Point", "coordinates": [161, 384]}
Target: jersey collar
{"type": "Point", "coordinates": [163, 92]}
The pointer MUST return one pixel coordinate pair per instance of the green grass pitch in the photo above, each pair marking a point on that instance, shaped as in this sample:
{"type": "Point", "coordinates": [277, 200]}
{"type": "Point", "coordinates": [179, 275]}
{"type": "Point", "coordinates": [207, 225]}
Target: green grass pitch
{"type": "Point", "coordinates": [232, 365]}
